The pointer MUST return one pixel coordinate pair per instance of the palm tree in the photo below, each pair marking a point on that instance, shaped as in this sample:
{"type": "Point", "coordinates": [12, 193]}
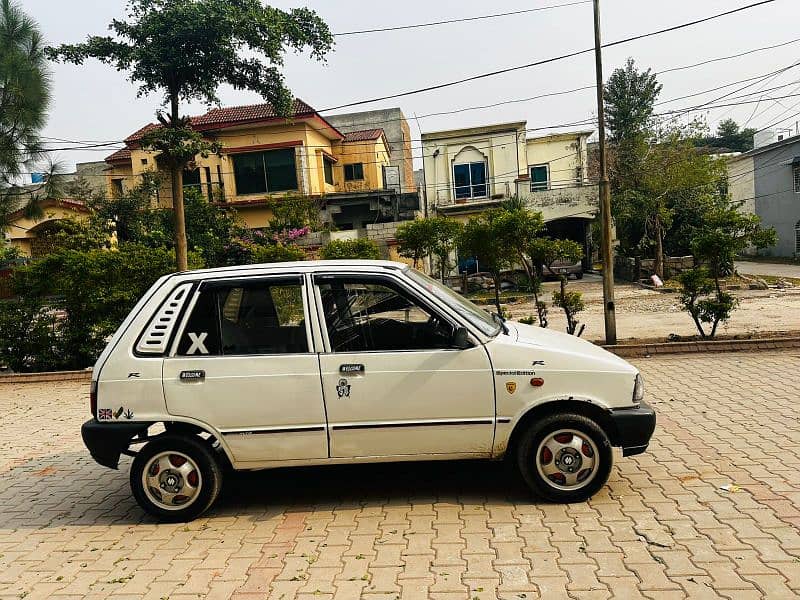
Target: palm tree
{"type": "Point", "coordinates": [24, 98]}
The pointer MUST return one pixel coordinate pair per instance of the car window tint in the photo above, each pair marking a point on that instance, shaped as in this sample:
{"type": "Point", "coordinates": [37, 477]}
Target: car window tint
{"type": "Point", "coordinates": [201, 335]}
{"type": "Point", "coordinates": [257, 318]}
{"type": "Point", "coordinates": [367, 316]}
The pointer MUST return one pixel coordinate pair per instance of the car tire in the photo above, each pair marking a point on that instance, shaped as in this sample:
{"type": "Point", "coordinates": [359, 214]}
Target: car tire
{"type": "Point", "coordinates": [564, 458]}
{"type": "Point", "coordinates": [176, 478]}
{"type": "Point", "coordinates": [579, 275]}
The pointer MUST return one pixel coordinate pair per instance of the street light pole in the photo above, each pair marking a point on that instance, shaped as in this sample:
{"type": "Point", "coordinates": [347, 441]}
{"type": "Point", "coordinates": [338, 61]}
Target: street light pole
{"type": "Point", "coordinates": [605, 193]}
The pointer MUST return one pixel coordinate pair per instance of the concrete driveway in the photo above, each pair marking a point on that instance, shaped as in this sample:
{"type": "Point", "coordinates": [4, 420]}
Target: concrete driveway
{"type": "Point", "coordinates": [667, 525]}
{"type": "Point", "coordinates": [775, 269]}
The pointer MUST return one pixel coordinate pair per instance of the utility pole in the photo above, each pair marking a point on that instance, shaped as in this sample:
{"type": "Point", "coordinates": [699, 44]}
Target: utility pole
{"type": "Point", "coordinates": [605, 193]}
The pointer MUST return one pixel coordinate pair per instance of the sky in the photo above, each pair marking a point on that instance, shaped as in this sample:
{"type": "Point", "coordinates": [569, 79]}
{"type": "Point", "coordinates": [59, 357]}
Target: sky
{"type": "Point", "coordinates": [95, 102]}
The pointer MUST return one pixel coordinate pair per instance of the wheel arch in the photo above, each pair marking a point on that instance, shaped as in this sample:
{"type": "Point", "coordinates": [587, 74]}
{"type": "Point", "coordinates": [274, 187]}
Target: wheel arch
{"type": "Point", "coordinates": [592, 411]}
{"type": "Point", "coordinates": [182, 426]}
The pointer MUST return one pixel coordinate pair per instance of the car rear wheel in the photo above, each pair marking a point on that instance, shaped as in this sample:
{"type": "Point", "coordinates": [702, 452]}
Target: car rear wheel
{"type": "Point", "coordinates": [176, 478]}
{"type": "Point", "coordinates": [564, 458]}
{"type": "Point", "coordinates": [579, 275]}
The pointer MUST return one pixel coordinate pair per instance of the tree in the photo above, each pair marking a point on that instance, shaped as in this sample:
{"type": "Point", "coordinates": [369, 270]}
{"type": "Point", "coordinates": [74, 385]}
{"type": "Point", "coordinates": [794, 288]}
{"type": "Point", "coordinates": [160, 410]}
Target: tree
{"type": "Point", "coordinates": [724, 234]}
{"type": "Point", "coordinates": [481, 237]}
{"type": "Point", "coordinates": [659, 203]}
{"type": "Point", "coordinates": [359, 248]}
{"type": "Point", "coordinates": [730, 136]}
{"type": "Point", "coordinates": [429, 237]}
{"type": "Point", "coordinates": [415, 239]}
{"type": "Point", "coordinates": [25, 94]}
{"type": "Point", "coordinates": [520, 230]}
{"type": "Point", "coordinates": [185, 49]}
{"type": "Point", "coordinates": [25, 97]}
{"type": "Point", "coordinates": [630, 96]}
{"type": "Point", "coordinates": [571, 302]}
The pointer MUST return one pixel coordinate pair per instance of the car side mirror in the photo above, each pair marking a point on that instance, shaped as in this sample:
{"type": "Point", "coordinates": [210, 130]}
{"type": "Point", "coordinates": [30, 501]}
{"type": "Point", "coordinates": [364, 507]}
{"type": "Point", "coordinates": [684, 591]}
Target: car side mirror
{"type": "Point", "coordinates": [461, 338]}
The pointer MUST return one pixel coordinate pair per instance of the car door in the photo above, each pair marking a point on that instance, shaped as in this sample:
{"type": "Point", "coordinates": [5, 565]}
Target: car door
{"type": "Point", "coordinates": [394, 385]}
{"type": "Point", "coordinates": [244, 363]}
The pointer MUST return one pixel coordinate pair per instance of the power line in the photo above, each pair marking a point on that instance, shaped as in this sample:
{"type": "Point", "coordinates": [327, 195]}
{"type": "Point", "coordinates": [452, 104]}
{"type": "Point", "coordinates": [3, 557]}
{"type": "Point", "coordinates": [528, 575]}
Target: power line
{"type": "Point", "coordinates": [503, 102]}
{"type": "Point", "coordinates": [549, 60]}
{"type": "Point", "coordinates": [462, 20]}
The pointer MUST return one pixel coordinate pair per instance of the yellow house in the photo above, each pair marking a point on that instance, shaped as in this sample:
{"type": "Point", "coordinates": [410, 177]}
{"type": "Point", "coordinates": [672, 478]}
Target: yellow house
{"type": "Point", "coordinates": [24, 232]}
{"type": "Point", "coordinates": [265, 158]}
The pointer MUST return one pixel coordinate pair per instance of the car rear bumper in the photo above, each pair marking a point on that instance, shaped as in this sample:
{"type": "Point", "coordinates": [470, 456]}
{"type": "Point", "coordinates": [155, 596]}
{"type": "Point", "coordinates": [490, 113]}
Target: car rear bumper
{"type": "Point", "coordinates": [634, 428]}
{"type": "Point", "coordinates": [106, 441]}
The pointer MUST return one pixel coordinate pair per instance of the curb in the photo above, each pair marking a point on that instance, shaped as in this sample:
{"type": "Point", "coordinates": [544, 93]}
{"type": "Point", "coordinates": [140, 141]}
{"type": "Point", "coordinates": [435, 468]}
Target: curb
{"type": "Point", "coordinates": [752, 345]}
{"type": "Point", "coordinates": [85, 375]}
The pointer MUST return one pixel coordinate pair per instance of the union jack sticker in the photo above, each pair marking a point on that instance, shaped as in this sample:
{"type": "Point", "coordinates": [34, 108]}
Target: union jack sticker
{"type": "Point", "coordinates": [104, 414]}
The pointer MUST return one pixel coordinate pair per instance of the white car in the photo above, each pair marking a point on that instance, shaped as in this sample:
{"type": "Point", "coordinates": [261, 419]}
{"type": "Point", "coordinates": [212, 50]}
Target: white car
{"type": "Point", "coordinates": [315, 363]}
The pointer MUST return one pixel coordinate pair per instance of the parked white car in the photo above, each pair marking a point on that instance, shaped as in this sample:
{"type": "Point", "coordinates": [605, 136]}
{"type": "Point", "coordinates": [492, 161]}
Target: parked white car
{"type": "Point", "coordinates": [315, 363]}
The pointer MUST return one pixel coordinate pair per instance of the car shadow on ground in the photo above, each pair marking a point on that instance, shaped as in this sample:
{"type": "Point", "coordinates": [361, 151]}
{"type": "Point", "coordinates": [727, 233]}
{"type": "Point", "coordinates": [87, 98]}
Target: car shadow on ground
{"type": "Point", "coordinates": [69, 489]}
{"type": "Point", "coordinates": [354, 486]}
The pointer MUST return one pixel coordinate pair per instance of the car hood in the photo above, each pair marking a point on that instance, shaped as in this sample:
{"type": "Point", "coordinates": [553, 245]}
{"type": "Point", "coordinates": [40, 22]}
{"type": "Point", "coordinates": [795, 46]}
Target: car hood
{"type": "Point", "coordinates": [568, 344]}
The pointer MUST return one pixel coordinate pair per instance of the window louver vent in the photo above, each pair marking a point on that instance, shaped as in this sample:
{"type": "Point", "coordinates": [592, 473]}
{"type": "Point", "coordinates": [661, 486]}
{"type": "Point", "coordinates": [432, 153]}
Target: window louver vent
{"type": "Point", "coordinates": [156, 336]}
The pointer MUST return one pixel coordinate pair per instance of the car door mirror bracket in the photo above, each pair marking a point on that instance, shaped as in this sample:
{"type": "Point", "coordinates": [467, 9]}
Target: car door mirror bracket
{"type": "Point", "coordinates": [461, 338]}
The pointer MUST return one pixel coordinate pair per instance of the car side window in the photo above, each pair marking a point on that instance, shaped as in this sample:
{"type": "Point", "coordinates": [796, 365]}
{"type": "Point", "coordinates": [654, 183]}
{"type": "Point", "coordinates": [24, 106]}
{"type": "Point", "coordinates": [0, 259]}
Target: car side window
{"type": "Point", "coordinates": [260, 317]}
{"type": "Point", "coordinates": [363, 316]}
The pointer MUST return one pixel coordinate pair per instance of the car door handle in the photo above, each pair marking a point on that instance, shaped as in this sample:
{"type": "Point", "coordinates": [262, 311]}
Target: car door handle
{"type": "Point", "coordinates": [197, 375]}
{"type": "Point", "coordinates": [351, 368]}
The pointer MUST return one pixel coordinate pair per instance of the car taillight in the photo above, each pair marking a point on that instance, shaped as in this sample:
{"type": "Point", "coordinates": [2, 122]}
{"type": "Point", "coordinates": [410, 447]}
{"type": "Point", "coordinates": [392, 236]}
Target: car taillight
{"type": "Point", "coordinates": [93, 398]}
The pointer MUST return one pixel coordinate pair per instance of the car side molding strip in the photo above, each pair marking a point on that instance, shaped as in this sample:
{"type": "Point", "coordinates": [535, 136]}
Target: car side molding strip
{"type": "Point", "coordinates": [439, 423]}
{"type": "Point", "coordinates": [279, 430]}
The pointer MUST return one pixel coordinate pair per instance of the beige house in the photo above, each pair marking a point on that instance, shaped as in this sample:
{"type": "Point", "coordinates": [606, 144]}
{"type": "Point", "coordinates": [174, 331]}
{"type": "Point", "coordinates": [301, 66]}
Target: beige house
{"type": "Point", "coordinates": [469, 170]}
{"type": "Point", "coordinates": [25, 233]}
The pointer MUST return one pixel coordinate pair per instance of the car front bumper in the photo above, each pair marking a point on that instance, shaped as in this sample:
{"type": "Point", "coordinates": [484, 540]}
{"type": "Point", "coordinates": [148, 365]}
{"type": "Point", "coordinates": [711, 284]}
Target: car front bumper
{"type": "Point", "coordinates": [634, 428]}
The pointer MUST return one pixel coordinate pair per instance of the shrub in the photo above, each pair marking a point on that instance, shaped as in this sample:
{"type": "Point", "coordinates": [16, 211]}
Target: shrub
{"type": "Point", "coordinates": [28, 336]}
{"type": "Point", "coordinates": [348, 249]}
{"type": "Point", "coordinates": [277, 253]}
{"type": "Point", "coordinates": [701, 298]}
{"type": "Point", "coordinates": [96, 289]}
{"type": "Point", "coordinates": [572, 303]}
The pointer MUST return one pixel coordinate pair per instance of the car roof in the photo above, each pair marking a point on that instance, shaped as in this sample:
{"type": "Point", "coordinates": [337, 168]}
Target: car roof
{"type": "Point", "coordinates": [300, 266]}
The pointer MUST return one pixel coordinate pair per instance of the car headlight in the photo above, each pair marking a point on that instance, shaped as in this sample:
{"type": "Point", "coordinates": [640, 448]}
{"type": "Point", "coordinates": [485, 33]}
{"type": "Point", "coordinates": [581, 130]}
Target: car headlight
{"type": "Point", "coordinates": [638, 389]}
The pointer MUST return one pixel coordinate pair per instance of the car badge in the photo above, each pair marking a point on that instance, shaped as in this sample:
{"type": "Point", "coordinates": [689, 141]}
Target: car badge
{"type": "Point", "coordinates": [511, 386]}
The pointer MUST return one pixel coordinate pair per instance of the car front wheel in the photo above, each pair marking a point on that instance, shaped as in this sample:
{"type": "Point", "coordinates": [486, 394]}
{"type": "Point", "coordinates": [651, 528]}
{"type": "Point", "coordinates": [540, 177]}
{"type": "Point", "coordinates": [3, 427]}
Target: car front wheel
{"type": "Point", "coordinates": [564, 458]}
{"type": "Point", "coordinates": [176, 478]}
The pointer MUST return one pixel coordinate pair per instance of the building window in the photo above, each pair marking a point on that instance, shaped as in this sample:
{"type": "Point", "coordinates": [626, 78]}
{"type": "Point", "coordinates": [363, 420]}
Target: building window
{"type": "Point", "coordinates": [796, 173]}
{"type": "Point", "coordinates": [328, 166]}
{"type": "Point", "coordinates": [262, 172]}
{"type": "Point", "coordinates": [540, 178]}
{"type": "Point", "coordinates": [797, 239]}
{"type": "Point", "coordinates": [354, 172]}
{"type": "Point", "coordinates": [116, 188]}
{"type": "Point", "coordinates": [470, 180]}
{"type": "Point", "coordinates": [191, 178]}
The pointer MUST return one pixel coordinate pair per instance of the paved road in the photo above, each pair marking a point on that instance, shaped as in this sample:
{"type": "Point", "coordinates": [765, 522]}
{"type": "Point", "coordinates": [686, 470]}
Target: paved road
{"type": "Point", "coordinates": [662, 528]}
{"type": "Point", "coordinates": [776, 269]}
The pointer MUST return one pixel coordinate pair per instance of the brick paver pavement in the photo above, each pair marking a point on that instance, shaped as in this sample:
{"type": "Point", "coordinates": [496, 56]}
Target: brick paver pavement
{"type": "Point", "coordinates": [663, 527]}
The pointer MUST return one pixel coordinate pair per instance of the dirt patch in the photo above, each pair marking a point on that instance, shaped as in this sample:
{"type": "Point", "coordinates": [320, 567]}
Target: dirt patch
{"type": "Point", "coordinates": [655, 316]}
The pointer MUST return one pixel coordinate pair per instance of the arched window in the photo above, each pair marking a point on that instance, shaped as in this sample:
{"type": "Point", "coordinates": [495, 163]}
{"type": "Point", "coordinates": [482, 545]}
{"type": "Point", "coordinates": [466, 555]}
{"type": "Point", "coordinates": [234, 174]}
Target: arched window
{"type": "Point", "coordinates": [470, 174]}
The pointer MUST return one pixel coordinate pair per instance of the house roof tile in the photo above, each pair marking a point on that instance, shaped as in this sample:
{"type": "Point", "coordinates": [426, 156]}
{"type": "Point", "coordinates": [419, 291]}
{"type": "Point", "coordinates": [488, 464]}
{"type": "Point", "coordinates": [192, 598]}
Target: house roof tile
{"type": "Point", "coordinates": [121, 154]}
{"type": "Point", "coordinates": [363, 135]}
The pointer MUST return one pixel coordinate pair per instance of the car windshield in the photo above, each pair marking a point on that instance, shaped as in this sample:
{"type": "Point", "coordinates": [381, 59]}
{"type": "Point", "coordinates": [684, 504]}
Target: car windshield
{"type": "Point", "coordinates": [472, 313]}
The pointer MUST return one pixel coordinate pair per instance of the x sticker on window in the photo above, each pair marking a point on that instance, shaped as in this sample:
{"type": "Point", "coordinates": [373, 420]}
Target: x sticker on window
{"type": "Point", "coordinates": [198, 343]}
